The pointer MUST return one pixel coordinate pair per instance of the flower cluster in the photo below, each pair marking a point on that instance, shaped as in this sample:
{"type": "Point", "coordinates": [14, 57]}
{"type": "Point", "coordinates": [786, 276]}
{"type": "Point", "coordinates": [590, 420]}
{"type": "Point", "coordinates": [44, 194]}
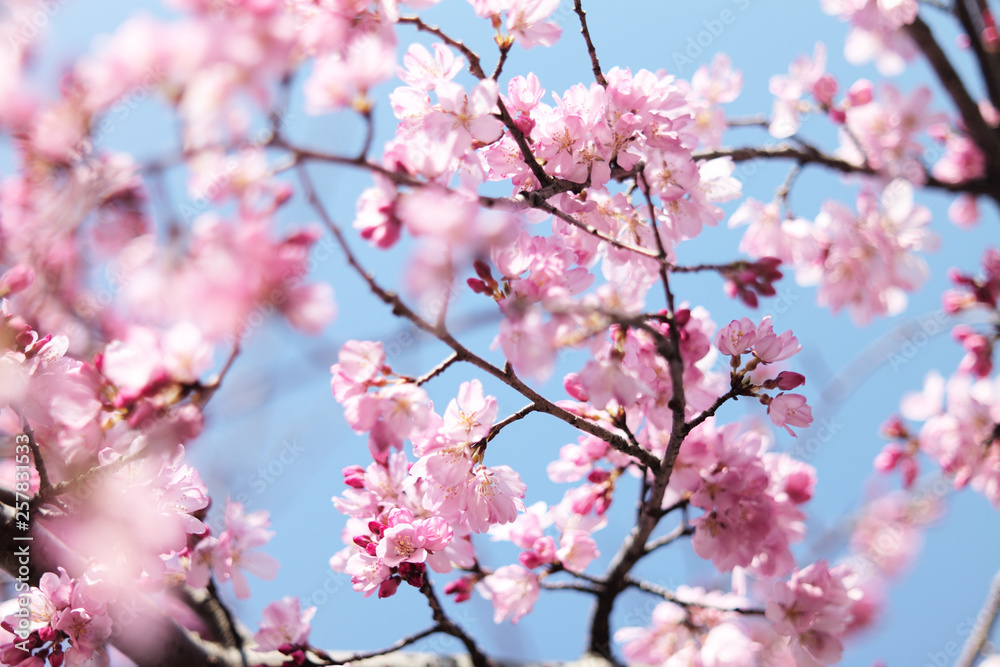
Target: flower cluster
{"type": "Point", "coordinates": [62, 611]}
{"type": "Point", "coordinates": [227, 556]}
{"type": "Point", "coordinates": [406, 515]}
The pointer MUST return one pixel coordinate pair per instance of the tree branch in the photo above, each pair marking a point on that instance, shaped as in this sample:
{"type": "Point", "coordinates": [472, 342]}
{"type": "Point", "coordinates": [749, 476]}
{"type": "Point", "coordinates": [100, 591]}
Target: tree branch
{"type": "Point", "coordinates": [400, 309]}
{"type": "Point", "coordinates": [952, 82]}
{"type": "Point", "coordinates": [669, 595]}
{"type": "Point", "coordinates": [984, 625]}
{"type": "Point", "coordinates": [591, 50]}
{"type": "Point", "coordinates": [448, 626]}
{"type": "Point", "coordinates": [811, 155]}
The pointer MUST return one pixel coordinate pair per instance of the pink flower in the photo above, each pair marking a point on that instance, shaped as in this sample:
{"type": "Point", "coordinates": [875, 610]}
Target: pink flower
{"type": "Point", "coordinates": [803, 75]}
{"type": "Point", "coordinates": [577, 549]}
{"type": "Point", "coordinates": [513, 591]}
{"type": "Point", "coordinates": [284, 622]}
{"type": "Point", "coordinates": [769, 347]}
{"type": "Point", "coordinates": [367, 572]}
{"type": "Point", "coordinates": [186, 353]}
{"type": "Point", "coordinates": [814, 609]}
{"type": "Point", "coordinates": [978, 359]}
{"type": "Point", "coordinates": [425, 72]}
{"type": "Point", "coordinates": [470, 415]}
{"type": "Point", "coordinates": [964, 211]}
{"type": "Point", "coordinates": [736, 338]}
{"type": "Point", "coordinates": [232, 554]}
{"type": "Point", "coordinates": [787, 410]}
{"type": "Point", "coordinates": [494, 496]}
{"type": "Point", "coordinates": [468, 114]}
{"type": "Point", "coordinates": [525, 22]}
{"type": "Point", "coordinates": [16, 279]}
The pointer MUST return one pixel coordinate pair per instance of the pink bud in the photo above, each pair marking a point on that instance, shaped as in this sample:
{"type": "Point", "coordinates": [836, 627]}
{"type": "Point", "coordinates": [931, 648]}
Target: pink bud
{"type": "Point", "coordinates": [525, 123]}
{"type": "Point", "coordinates": [597, 476]}
{"type": "Point", "coordinates": [16, 279]}
{"type": "Point", "coordinates": [388, 587]}
{"type": "Point", "coordinates": [282, 193]}
{"type": "Point", "coordinates": [895, 429]}
{"type": "Point", "coordinates": [789, 380]}
{"type": "Point", "coordinates": [483, 270]}
{"type": "Point", "coordinates": [460, 588]}
{"type": "Point", "coordinates": [354, 476]}
{"type": "Point", "coordinates": [991, 39]}
{"type": "Point", "coordinates": [838, 116]}
{"type": "Point", "coordinates": [786, 380]}
{"type": "Point", "coordinates": [824, 89]}
{"type": "Point", "coordinates": [909, 470]}
{"type": "Point", "coordinates": [860, 93]}
{"type": "Point", "coordinates": [888, 458]}
{"type": "Point", "coordinates": [574, 387]}
{"type": "Point", "coordinates": [478, 286]}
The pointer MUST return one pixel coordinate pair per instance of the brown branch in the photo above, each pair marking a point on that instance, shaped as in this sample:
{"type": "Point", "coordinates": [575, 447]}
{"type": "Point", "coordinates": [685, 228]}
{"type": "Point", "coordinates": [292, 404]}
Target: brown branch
{"type": "Point", "coordinates": [437, 370]}
{"type": "Point", "coordinates": [506, 375]}
{"type": "Point", "coordinates": [591, 50]}
{"type": "Point", "coordinates": [952, 82]}
{"type": "Point", "coordinates": [568, 586]}
{"type": "Point", "coordinates": [542, 205]}
{"type": "Point", "coordinates": [682, 530]}
{"type": "Point", "coordinates": [402, 643]}
{"type": "Point", "coordinates": [634, 546]}
{"type": "Point", "coordinates": [44, 485]}
{"type": "Point", "coordinates": [810, 155]}
{"type": "Point", "coordinates": [506, 421]}
{"type": "Point", "coordinates": [667, 594]}
{"type": "Point", "coordinates": [475, 64]}
{"type": "Point", "coordinates": [989, 65]}
{"type": "Point", "coordinates": [476, 69]}
{"type": "Point", "coordinates": [504, 51]}
{"type": "Point", "coordinates": [448, 626]}
{"type": "Point", "coordinates": [233, 636]}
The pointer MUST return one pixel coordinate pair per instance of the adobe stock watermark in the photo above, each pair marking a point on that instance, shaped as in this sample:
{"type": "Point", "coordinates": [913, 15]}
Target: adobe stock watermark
{"type": "Point", "coordinates": [261, 479]}
{"type": "Point", "coordinates": [917, 337]}
{"type": "Point", "coordinates": [33, 23]}
{"type": "Point", "coordinates": [696, 44]}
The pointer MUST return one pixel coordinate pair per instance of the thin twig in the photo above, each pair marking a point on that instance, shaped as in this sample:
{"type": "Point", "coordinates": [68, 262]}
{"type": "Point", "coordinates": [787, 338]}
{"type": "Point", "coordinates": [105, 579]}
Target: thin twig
{"type": "Point", "coordinates": [437, 370]}
{"type": "Point", "coordinates": [552, 210]}
{"type": "Point", "coordinates": [506, 375]}
{"type": "Point", "coordinates": [506, 421]}
{"type": "Point", "coordinates": [402, 643]}
{"type": "Point", "coordinates": [448, 626]}
{"type": "Point", "coordinates": [369, 135]}
{"type": "Point", "coordinates": [682, 530]}
{"type": "Point", "coordinates": [591, 50]}
{"type": "Point", "coordinates": [44, 485]}
{"type": "Point", "coordinates": [504, 51]}
{"type": "Point", "coordinates": [568, 586]}
{"type": "Point", "coordinates": [810, 155]}
{"type": "Point", "coordinates": [952, 82]}
{"type": "Point", "coordinates": [984, 626]}
{"type": "Point", "coordinates": [668, 594]}
{"type": "Point", "coordinates": [988, 64]}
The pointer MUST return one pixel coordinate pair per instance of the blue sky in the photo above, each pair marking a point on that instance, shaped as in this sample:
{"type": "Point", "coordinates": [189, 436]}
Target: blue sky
{"type": "Point", "coordinates": [276, 434]}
